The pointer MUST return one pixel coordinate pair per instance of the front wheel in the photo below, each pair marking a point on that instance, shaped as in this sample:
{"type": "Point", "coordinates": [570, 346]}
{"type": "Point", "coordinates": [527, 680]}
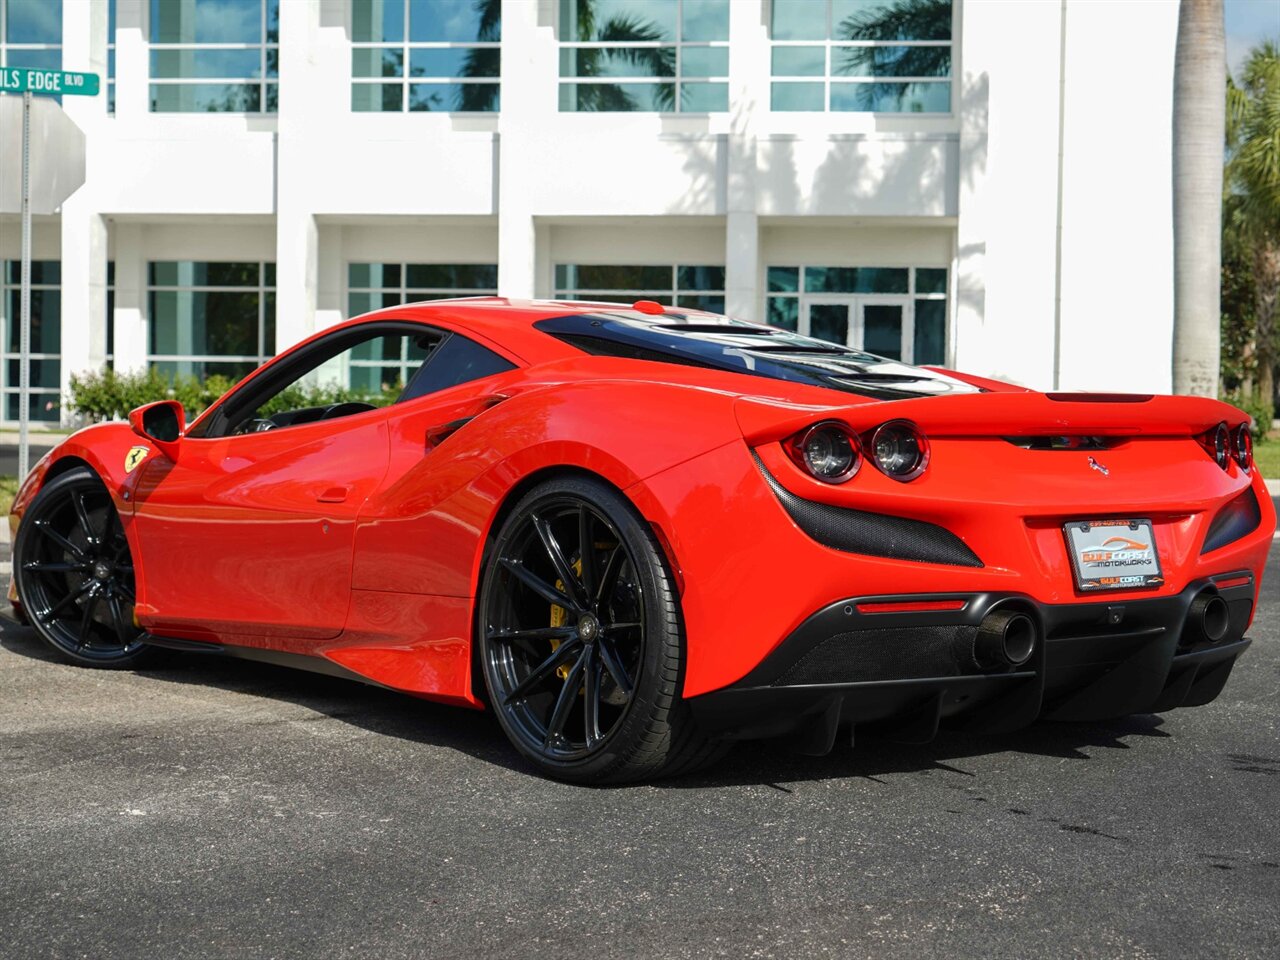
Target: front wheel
{"type": "Point", "coordinates": [74, 573]}
{"type": "Point", "coordinates": [580, 639]}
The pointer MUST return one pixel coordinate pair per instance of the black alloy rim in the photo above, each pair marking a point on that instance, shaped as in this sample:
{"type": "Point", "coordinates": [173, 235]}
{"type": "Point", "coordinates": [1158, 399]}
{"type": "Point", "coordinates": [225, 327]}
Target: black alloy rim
{"type": "Point", "coordinates": [78, 575]}
{"type": "Point", "coordinates": [565, 629]}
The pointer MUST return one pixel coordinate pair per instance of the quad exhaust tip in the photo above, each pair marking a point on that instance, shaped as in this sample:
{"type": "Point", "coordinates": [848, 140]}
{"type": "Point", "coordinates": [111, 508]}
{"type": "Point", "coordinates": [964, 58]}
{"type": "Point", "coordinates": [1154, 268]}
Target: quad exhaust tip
{"type": "Point", "coordinates": [1210, 616]}
{"type": "Point", "coordinates": [1005, 638]}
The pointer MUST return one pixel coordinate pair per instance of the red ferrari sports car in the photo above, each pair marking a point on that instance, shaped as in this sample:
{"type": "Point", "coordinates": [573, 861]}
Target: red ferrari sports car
{"type": "Point", "coordinates": [637, 533]}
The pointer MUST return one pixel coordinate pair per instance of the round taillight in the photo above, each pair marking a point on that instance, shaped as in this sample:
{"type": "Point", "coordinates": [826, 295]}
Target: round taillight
{"type": "Point", "coordinates": [827, 451]}
{"type": "Point", "coordinates": [1244, 446]}
{"type": "Point", "coordinates": [900, 450]}
{"type": "Point", "coordinates": [1222, 446]}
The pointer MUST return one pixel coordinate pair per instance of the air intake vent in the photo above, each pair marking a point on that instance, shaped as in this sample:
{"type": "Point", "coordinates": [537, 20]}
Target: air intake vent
{"type": "Point", "coordinates": [871, 534]}
{"type": "Point", "coordinates": [1237, 519]}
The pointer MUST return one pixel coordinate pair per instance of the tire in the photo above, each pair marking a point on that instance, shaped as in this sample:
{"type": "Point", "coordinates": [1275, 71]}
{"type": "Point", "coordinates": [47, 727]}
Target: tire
{"type": "Point", "coordinates": [582, 651]}
{"type": "Point", "coordinates": [74, 574]}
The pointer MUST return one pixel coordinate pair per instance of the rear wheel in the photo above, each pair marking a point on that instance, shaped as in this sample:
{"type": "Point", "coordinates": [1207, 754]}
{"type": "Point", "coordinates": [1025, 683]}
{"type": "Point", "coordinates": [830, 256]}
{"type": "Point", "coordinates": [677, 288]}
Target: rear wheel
{"type": "Point", "coordinates": [580, 639]}
{"type": "Point", "coordinates": [74, 573]}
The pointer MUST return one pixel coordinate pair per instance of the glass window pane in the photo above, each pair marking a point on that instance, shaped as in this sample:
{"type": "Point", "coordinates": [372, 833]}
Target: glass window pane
{"type": "Point", "coordinates": [931, 280]}
{"type": "Point", "coordinates": [618, 97]}
{"type": "Point", "coordinates": [615, 20]}
{"type": "Point", "coordinates": [44, 373]}
{"type": "Point", "coordinates": [373, 275]}
{"type": "Point", "coordinates": [700, 278]}
{"type": "Point", "coordinates": [452, 276]}
{"type": "Point", "coordinates": [188, 273]}
{"type": "Point", "coordinates": [268, 324]}
{"type": "Point", "coordinates": [43, 407]}
{"type": "Point", "coordinates": [796, 96]}
{"type": "Point", "coordinates": [784, 279]}
{"type": "Point", "coordinates": [599, 277]}
{"type": "Point", "coordinates": [704, 97]}
{"type": "Point", "coordinates": [798, 20]}
{"type": "Point", "coordinates": [206, 98]}
{"type": "Point", "coordinates": [704, 61]}
{"type": "Point", "coordinates": [33, 21]}
{"type": "Point", "coordinates": [233, 370]}
{"type": "Point", "coordinates": [891, 61]}
{"type": "Point", "coordinates": [34, 59]}
{"type": "Point", "coordinates": [454, 62]}
{"type": "Point", "coordinates": [43, 272]}
{"type": "Point", "coordinates": [882, 330]}
{"type": "Point", "coordinates": [455, 21]}
{"type": "Point", "coordinates": [784, 312]}
{"type": "Point", "coordinates": [892, 97]}
{"type": "Point", "coordinates": [377, 62]}
{"type": "Point", "coordinates": [882, 280]}
{"type": "Point", "coordinates": [829, 321]}
{"type": "Point", "coordinates": [376, 97]}
{"type": "Point", "coordinates": [46, 321]}
{"type": "Point", "coordinates": [891, 20]}
{"type": "Point", "coordinates": [830, 279]}
{"type": "Point", "coordinates": [206, 21]}
{"type": "Point", "coordinates": [799, 61]}
{"type": "Point", "coordinates": [618, 62]}
{"type": "Point", "coordinates": [701, 302]}
{"type": "Point", "coordinates": [360, 302]}
{"type": "Point", "coordinates": [377, 21]}
{"type": "Point", "coordinates": [196, 322]}
{"type": "Point", "coordinates": [931, 332]}
{"type": "Point", "coordinates": [230, 64]}
{"type": "Point", "coordinates": [481, 97]}
{"type": "Point", "coordinates": [705, 20]}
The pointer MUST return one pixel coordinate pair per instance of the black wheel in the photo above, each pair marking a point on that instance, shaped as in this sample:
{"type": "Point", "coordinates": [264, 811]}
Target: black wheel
{"type": "Point", "coordinates": [75, 574]}
{"type": "Point", "coordinates": [580, 638]}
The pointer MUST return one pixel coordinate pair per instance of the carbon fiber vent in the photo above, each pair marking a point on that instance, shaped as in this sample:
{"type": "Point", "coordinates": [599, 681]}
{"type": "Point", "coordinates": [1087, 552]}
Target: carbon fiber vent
{"type": "Point", "coordinates": [1237, 519]}
{"type": "Point", "coordinates": [871, 534]}
{"type": "Point", "coordinates": [886, 653]}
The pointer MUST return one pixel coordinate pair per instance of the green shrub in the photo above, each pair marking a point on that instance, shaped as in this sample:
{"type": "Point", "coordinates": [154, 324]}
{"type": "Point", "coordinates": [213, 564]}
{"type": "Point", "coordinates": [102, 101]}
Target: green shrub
{"type": "Point", "coordinates": [107, 395]}
{"type": "Point", "coordinates": [1255, 407]}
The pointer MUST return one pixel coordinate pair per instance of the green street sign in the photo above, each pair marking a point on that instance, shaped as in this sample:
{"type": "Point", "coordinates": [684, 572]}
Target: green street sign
{"type": "Point", "coordinates": [48, 83]}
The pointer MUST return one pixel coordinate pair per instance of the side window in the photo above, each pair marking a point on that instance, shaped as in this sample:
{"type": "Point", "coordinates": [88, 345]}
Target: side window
{"type": "Point", "coordinates": [456, 360]}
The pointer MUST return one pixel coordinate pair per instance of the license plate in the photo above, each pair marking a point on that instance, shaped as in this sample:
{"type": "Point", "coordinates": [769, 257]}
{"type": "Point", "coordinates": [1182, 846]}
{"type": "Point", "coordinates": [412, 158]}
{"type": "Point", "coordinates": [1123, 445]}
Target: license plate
{"type": "Point", "coordinates": [1113, 554]}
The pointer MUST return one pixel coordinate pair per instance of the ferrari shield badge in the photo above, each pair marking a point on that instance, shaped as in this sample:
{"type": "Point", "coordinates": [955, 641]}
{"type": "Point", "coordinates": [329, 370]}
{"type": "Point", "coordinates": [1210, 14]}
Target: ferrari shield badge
{"type": "Point", "coordinates": [134, 457]}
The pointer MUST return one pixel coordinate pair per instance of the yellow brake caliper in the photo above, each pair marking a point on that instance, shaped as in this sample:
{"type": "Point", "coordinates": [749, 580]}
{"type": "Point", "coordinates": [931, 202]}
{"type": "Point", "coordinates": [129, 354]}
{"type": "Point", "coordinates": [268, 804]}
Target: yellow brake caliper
{"type": "Point", "coordinates": [559, 618]}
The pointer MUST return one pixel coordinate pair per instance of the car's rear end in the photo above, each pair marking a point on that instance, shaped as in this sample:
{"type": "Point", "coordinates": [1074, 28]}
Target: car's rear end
{"type": "Point", "coordinates": [991, 557]}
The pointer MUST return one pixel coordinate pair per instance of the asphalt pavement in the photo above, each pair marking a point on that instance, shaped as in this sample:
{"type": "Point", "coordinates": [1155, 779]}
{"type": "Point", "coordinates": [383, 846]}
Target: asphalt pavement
{"type": "Point", "coordinates": [230, 809]}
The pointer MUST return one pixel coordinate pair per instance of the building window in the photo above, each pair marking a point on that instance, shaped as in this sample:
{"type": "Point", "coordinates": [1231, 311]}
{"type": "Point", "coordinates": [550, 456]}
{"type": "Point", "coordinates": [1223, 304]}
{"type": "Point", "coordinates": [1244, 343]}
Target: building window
{"type": "Point", "coordinates": [699, 288]}
{"type": "Point", "coordinates": [440, 55]}
{"type": "Point", "coordinates": [214, 56]}
{"type": "Point", "coordinates": [31, 34]}
{"type": "Point", "coordinates": [210, 318]}
{"type": "Point", "coordinates": [46, 338]}
{"type": "Point", "coordinates": [894, 312]}
{"type": "Point", "coordinates": [644, 55]}
{"type": "Point", "coordinates": [372, 286]}
{"type": "Point", "coordinates": [876, 56]}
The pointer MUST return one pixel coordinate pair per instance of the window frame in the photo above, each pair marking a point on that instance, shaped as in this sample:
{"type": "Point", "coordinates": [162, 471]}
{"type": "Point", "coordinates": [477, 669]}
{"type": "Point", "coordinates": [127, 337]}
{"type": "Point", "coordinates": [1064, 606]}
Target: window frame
{"type": "Point", "coordinates": [677, 79]}
{"type": "Point", "coordinates": [405, 80]}
{"type": "Point", "coordinates": [828, 46]}
{"type": "Point", "coordinates": [8, 356]}
{"type": "Point", "coordinates": [264, 82]}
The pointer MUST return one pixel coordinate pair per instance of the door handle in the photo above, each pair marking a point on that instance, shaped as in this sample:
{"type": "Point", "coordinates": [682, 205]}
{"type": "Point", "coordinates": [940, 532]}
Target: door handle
{"type": "Point", "coordinates": [438, 433]}
{"type": "Point", "coordinates": [334, 495]}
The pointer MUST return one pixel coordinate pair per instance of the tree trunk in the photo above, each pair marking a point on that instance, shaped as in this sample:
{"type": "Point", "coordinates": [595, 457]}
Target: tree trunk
{"type": "Point", "coordinates": [1199, 123]}
{"type": "Point", "coordinates": [1266, 278]}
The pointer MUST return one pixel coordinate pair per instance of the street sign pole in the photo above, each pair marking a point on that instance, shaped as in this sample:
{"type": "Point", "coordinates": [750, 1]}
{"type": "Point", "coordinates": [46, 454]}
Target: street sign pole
{"type": "Point", "coordinates": [24, 358]}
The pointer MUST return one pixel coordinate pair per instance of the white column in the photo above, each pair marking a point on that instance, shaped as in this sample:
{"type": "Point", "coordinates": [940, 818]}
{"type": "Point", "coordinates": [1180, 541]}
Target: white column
{"type": "Point", "coordinates": [529, 65]}
{"type": "Point", "coordinates": [969, 270]}
{"type": "Point", "coordinates": [130, 314]}
{"type": "Point", "coordinates": [748, 96]}
{"type": "Point", "coordinates": [298, 176]}
{"type": "Point", "coordinates": [133, 98]}
{"type": "Point", "coordinates": [84, 232]}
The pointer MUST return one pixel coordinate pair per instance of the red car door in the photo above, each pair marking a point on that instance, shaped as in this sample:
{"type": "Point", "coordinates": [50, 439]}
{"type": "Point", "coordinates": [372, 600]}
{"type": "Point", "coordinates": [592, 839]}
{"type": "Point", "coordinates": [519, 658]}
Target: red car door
{"type": "Point", "coordinates": [250, 536]}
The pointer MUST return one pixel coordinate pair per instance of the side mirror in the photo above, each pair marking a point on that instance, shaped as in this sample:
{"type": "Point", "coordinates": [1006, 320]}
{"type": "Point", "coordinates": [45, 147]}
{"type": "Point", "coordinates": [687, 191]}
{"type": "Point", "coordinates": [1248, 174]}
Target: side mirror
{"type": "Point", "coordinates": [163, 423]}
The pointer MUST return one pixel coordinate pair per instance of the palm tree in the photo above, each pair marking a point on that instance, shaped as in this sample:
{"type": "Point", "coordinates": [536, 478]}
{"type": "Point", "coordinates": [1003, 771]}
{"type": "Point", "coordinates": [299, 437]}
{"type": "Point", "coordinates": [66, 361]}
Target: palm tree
{"type": "Point", "coordinates": [1199, 115]}
{"type": "Point", "coordinates": [1253, 195]}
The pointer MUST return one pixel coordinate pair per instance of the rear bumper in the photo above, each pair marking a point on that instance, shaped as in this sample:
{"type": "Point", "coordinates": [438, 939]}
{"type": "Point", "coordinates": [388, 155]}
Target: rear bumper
{"type": "Point", "coordinates": [911, 671]}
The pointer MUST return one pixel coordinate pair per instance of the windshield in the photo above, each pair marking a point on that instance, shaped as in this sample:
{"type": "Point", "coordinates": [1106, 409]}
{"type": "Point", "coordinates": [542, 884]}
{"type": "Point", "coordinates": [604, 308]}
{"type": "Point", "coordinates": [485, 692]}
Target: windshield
{"type": "Point", "coordinates": [723, 343]}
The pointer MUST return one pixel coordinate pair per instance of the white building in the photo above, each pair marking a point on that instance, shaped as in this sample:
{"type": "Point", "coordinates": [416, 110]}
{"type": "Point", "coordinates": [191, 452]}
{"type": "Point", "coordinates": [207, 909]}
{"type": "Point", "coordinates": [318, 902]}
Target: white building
{"type": "Point", "coordinates": [979, 183]}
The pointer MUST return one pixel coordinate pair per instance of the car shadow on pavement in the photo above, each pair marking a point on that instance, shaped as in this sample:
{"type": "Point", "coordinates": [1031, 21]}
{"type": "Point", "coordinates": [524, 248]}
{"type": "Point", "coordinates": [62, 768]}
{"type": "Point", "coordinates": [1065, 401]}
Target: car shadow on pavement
{"type": "Point", "coordinates": [770, 763]}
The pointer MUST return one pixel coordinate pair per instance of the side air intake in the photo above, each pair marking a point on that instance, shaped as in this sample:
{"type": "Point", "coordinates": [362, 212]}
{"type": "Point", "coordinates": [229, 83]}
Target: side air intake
{"type": "Point", "coordinates": [871, 534]}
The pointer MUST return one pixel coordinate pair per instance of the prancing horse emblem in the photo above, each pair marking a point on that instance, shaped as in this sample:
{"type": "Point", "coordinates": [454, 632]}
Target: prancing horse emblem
{"type": "Point", "coordinates": [134, 457]}
{"type": "Point", "coordinates": [1095, 465]}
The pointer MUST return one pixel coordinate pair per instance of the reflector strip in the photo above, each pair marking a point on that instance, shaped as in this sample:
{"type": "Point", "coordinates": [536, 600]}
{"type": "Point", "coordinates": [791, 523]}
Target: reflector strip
{"type": "Point", "coordinates": [912, 606]}
{"type": "Point", "coordinates": [1233, 582]}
